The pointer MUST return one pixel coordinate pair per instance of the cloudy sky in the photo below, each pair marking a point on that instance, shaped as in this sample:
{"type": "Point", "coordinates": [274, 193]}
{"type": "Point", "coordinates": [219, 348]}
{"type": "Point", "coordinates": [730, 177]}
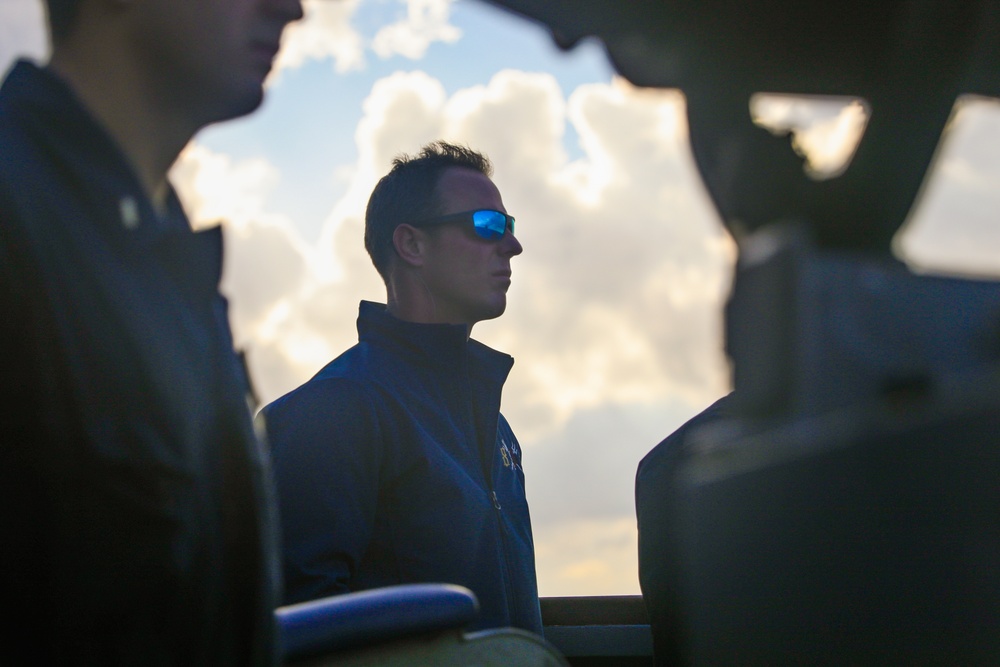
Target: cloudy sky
{"type": "Point", "coordinates": [614, 312]}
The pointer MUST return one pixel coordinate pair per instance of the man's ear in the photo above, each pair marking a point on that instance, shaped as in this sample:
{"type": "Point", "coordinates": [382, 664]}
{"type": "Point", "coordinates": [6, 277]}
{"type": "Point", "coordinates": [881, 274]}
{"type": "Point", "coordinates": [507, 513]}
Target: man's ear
{"type": "Point", "coordinates": [410, 243]}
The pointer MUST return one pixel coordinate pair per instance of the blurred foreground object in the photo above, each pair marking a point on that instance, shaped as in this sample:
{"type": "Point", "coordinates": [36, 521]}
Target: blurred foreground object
{"type": "Point", "coordinates": [414, 624]}
{"type": "Point", "coordinates": [908, 59]}
{"type": "Point", "coordinates": [842, 508]}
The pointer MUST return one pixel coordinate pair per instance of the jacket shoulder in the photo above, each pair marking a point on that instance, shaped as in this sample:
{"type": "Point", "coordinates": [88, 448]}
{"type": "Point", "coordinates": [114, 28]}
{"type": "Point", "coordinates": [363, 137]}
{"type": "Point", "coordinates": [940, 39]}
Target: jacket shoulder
{"type": "Point", "coordinates": [667, 451]}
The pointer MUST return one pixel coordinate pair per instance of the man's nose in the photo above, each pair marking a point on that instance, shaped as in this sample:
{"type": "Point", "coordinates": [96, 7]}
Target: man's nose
{"type": "Point", "coordinates": [287, 10]}
{"type": "Point", "coordinates": [510, 246]}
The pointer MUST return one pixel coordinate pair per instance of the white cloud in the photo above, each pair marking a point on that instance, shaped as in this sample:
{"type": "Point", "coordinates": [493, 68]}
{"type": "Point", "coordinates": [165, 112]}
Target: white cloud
{"type": "Point", "coordinates": [617, 296]}
{"type": "Point", "coordinates": [519, 121]}
{"type": "Point", "coordinates": [403, 112]}
{"type": "Point", "coordinates": [825, 130]}
{"type": "Point", "coordinates": [956, 227]}
{"type": "Point", "coordinates": [426, 22]}
{"type": "Point", "coordinates": [588, 557]}
{"type": "Point", "coordinates": [289, 309]}
{"type": "Point", "coordinates": [325, 32]}
{"type": "Point", "coordinates": [266, 263]}
{"type": "Point", "coordinates": [616, 266]}
{"type": "Point", "coordinates": [614, 312]}
{"type": "Point", "coordinates": [22, 31]}
{"type": "Point", "coordinates": [214, 188]}
{"type": "Point", "coordinates": [616, 299]}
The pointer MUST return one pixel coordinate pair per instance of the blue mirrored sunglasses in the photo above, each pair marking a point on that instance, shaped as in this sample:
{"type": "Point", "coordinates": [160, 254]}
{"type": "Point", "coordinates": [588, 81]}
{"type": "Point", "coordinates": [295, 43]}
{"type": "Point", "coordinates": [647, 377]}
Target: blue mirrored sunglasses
{"type": "Point", "coordinates": [489, 224]}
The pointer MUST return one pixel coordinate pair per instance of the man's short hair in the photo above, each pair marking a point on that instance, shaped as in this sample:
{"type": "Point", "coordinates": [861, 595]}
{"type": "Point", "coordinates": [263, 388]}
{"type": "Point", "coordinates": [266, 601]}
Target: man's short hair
{"type": "Point", "coordinates": [62, 17]}
{"type": "Point", "coordinates": [408, 193]}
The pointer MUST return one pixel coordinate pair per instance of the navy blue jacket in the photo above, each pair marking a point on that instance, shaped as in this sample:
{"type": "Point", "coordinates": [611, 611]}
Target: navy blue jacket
{"type": "Point", "coordinates": [137, 526]}
{"type": "Point", "coordinates": [394, 465]}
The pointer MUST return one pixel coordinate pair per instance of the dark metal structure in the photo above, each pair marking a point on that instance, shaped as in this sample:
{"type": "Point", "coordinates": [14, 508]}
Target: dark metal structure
{"type": "Point", "coordinates": [908, 58]}
{"type": "Point", "coordinates": [846, 510]}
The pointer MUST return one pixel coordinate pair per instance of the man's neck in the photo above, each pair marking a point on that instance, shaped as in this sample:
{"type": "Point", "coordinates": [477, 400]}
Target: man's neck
{"type": "Point", "coordinates": [149, 135]}
{"type": "Point", "coordinates": [419, 311]}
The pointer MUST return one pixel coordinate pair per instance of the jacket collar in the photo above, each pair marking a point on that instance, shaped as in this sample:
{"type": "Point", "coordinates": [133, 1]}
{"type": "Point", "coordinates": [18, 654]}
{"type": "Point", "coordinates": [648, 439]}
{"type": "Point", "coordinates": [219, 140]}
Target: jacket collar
{"type": "Point", "coordinates": [436, 344]}
{"type": "Point", "coordinates": [42, 106]}
{"type": "Point", "coordinates": [39, 100]}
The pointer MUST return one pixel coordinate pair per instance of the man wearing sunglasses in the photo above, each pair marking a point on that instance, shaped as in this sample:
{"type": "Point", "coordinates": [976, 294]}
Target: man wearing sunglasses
{"type": "Point", "coordinates": [135, 506]}
{"type": "Point", "coordinates": [394, 464]}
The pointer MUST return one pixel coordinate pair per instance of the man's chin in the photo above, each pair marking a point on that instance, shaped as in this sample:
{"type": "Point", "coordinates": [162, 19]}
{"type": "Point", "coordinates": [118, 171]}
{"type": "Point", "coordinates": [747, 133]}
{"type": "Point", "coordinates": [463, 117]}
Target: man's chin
{"type": "Point", "coordinates": [495, 312]}
{"type": "Point", "coordinates": [239, 103]}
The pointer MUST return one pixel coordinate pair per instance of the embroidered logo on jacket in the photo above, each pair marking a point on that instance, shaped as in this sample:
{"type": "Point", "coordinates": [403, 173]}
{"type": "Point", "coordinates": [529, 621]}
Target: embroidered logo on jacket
{"type": "Point", "coordinates": [511, 456]}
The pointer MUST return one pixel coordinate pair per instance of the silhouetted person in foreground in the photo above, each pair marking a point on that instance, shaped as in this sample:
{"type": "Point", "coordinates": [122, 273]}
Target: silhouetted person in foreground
{"type": "Point", "coordinates": [394, 464]}
{"type": "Point", "coordinates": [659, 565]}
{"type": "Point", "coordinates": [136, 518]}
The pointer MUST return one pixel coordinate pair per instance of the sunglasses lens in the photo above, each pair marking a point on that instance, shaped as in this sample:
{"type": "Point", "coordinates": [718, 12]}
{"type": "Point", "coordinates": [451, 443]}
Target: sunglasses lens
{"type": "Point", "coordinates": [491, 225]}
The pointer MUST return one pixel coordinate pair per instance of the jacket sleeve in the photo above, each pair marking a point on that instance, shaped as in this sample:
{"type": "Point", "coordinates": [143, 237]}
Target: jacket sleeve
{"type": "Point", "coordinates": [327, 452]}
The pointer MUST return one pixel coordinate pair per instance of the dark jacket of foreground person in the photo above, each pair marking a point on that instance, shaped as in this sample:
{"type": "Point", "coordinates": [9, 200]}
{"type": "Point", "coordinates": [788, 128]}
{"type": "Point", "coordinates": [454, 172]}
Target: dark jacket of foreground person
{"type": "Point", "coordinates": [659, 562]}
{"type": "Point", "coordinates": [134, 508]}
{"type": "Point", "coordinates": [394, 465]}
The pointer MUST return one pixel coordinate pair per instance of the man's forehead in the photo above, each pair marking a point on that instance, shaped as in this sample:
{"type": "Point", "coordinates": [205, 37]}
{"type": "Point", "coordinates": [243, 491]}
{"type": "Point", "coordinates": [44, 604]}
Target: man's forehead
{"type": "Point", "coordinates": [461, 189]}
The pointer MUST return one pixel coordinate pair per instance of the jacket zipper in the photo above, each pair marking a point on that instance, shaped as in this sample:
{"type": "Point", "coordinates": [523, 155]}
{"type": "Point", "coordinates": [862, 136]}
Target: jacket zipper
{"type": "Point", "coordinates": [505, 555]}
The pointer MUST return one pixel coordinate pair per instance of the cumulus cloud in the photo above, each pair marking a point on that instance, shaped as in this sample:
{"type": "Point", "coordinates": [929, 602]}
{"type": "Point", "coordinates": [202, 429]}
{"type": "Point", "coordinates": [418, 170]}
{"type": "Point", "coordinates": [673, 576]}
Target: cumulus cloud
{"type": "Point", "coordinates": [825, 131]}
{"type": "Point", "coordinates": [613, 315]}
{"type": "Point", "coordinates": [266, 263]}
{"type": "Point", "coordinates": [216, 188]}
{"type": "Point", "coordinates": [956, 227]}
{"type": "Point", "coordinates": [426, 22]}
{"type": "Point", "coordinates": [22, 31]}
{"type": "Point", "coordinates": [402, 112]}
{"type": "Point", "coordinates": [617, 296]}
{"type": "Point", "coordinates": [587, 557]}
{"type": "Point", "coordinates": [325, 32]}
{"type": "Point", "coordinates": [625, 264]}
{"type": "Point", "coordinates": [953, 227]}
{"type": "Point", "coordinates": [614, 312]}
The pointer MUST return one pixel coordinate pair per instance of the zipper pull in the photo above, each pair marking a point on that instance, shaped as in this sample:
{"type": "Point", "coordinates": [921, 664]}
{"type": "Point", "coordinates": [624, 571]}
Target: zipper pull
{"type": "Point", "coordinates": [496, 502]}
